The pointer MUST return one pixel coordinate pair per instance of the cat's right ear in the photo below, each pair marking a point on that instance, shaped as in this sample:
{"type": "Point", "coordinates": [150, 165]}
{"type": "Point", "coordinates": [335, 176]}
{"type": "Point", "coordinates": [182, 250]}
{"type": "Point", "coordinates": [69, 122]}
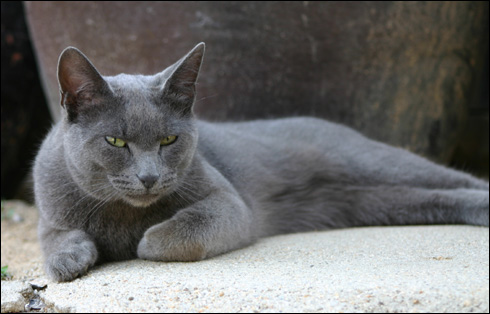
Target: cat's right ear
{"type": "Point", "coordinates": [81, 85]}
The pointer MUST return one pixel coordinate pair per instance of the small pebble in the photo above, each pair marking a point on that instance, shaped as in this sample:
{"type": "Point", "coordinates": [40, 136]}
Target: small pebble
{"type": "Point", "coordinates": [39, 283]}
{"type": "Point", "coordinates": [17, 218]}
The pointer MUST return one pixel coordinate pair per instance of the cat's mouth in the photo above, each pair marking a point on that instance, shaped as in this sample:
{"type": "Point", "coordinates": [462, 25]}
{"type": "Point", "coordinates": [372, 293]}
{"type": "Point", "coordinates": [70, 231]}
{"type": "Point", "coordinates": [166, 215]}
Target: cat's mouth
{"type": "Point", "coordinates": [142, 196]}
{"type": "Point", "coordinates": [141, 200]}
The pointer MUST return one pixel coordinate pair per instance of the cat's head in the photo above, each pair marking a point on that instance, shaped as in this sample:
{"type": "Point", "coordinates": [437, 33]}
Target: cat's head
{"type": "Point", "coordinates": [128, 137]}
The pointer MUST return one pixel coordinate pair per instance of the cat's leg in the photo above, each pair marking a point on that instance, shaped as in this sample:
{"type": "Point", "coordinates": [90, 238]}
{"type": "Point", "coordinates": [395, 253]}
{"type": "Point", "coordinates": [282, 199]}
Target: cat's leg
{"type": "Point", "coordinates": [219, 223]}
{"type": "Point", "coordinates": [368, 161]}
{"type": "Point", "coordinates": [406, 205]}
{"type": "Point", "coordinates": [68, 254]}
{"type": "Point", "coordinates": [379, 163]}
{"type": "Point", "coordinates": [215, 225]}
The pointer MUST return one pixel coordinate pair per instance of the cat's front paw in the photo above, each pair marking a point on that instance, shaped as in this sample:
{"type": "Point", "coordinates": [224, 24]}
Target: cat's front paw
{"type": "Point", "coordinates": [172, 241]}
{"type": "Point", "coordinates": [68, 264]}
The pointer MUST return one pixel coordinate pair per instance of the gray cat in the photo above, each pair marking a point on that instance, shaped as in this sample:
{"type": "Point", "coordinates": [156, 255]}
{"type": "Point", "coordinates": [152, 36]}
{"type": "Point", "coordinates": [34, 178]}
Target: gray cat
{"type": "Point", "coordinates": [130, 172]}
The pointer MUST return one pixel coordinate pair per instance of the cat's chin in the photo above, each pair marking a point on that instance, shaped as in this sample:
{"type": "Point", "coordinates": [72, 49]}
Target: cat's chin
{"type": "Point", "coordinates": [141, 200]}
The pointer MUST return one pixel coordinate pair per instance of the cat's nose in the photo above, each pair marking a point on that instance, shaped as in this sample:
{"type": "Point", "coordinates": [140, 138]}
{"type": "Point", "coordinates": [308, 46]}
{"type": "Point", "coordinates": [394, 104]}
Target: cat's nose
{"type": "Point", "coordinates": [148, 180]}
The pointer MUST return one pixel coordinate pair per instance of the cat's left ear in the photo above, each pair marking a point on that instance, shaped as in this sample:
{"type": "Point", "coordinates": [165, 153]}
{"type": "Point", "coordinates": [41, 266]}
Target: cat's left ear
{"type": "Point", "coordinates": [180, 87]}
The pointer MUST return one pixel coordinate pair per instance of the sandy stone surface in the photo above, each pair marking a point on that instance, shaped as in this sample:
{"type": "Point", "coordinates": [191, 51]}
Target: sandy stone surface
{"type": "Point", "coordinates": [20, 247]}
{"type": "Point", "coordinates": [373, 269]}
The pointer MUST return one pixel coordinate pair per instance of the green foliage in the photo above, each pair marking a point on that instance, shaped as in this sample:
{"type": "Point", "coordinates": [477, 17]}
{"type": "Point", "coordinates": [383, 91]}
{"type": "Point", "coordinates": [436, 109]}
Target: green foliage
{"type": "Point", "coordinates": [5, 274]}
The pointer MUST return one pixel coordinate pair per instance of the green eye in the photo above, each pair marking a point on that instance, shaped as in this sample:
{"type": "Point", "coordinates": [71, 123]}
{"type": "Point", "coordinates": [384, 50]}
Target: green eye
{"type": "Point", "coordinates": [168, 140]}
{"type": "Point", "coordinates": [115, 141]}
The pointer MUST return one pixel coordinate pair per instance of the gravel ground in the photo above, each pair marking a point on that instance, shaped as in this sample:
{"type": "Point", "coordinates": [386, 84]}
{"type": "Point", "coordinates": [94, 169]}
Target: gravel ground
{"type": "Point", "coordinates": [374, 269]}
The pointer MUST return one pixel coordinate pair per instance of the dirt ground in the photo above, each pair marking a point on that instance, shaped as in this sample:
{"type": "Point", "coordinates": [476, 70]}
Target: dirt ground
{"type": "Point", "coordinates": [20, 247]}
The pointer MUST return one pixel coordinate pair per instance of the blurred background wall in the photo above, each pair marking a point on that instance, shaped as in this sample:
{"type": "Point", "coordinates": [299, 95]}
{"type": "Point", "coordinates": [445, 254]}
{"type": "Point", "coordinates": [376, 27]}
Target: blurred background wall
{"type": "Point", "coordinates": [412, 74]}
{"type": "Point", "coordinates": [24, 112]}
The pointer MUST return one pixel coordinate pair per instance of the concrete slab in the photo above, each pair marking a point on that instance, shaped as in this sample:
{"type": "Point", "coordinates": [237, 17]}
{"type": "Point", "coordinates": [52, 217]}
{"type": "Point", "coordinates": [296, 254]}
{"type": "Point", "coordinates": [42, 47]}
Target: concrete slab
{"type": "Point", "coordinates": [373, 269]}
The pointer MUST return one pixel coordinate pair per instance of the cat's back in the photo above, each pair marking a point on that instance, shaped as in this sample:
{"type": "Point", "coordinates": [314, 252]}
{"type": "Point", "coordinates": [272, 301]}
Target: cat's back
{"type": "Point", "coordinates": [294, 128]}
{"type": "Point", "coordinates": [274, 136]}
{"type": "Point", "coordinates": [256, 154]}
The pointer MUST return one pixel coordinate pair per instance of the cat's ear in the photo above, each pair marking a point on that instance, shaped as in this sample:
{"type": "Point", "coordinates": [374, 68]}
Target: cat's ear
{"type": "Point", "coordinates": [81, 85]}
{"type": "Point", "coordinates": [180, 87]}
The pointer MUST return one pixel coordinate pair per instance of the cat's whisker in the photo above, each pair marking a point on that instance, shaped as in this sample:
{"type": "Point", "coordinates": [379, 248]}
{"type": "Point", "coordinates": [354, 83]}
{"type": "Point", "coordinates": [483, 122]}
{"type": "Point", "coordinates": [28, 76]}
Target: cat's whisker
{"type": "Point", "coordinates": [191, 185]}
{"type": "Point", "coordinates": [74, 186]}
{"type": "Point", "coordinates": [206, 97]}
{"type": "Point", "coordinates": [98, 188]}
{"type": "Point", "coordinates": [68, 211]}
{"type": "Point", "coordinates": [188, 193]}
{"type": "Point", "coordinates": [180, 198]}
{"type": "Point", "coordinates": [98, 206]}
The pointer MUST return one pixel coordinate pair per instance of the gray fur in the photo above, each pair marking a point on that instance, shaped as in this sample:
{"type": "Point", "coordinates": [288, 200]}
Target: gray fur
{"type": "Point", "coordinates": [219, 186]}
